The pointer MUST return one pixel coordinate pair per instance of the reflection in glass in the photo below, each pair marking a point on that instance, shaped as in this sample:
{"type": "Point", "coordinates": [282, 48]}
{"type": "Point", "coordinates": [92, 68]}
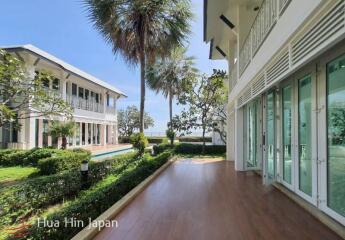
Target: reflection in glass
{"type": "Point", "coordinates": [305, 136]}
{"type": "Point", "coordinates": [336, 135]}
{"type": "Point", "coordinates": [252, 135]}
{"type": "Point", "coordinates": [270, 136]}
{"type": "Point", "coordinates": [287, 139]}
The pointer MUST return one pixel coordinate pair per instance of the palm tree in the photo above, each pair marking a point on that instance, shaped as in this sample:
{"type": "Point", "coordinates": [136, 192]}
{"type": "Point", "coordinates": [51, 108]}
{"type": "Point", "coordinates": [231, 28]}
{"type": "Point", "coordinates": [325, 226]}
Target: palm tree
{"type": "Point", "coordinates": [63, 130]}
{"type": "Point", "coordinates": [167, 75]}
{"type": "Point", "coordinates": [141, 30]}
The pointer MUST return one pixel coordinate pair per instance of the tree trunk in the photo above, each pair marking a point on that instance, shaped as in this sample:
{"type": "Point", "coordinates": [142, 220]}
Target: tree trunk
{"type": "Point", "coordinates": [142, 90]}
{"type": "Point", "coordinates": [64, 142]}
{"type": "Point", "coordinates": [203, 139]}
{"type": "Point", "coordinates": [170, 108]}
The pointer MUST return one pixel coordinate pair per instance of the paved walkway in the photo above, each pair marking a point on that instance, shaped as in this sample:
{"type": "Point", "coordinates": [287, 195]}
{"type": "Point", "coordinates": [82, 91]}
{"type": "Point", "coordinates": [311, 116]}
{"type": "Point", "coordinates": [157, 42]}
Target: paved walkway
{"type": "Point", "coordinates": [209, 200]}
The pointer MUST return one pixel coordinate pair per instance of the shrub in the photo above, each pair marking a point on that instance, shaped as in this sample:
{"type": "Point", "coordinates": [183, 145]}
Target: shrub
{"type": "Point", "coordinates": [139, 142]}
{"type": "Point", "coordinates": [171, 135]}
{"type": "Point", "coordinates": [194, 139]}
{"type": "Point", "coordinates": [34, 155]}
{"type": "Point", "coordinates": [124, 139]}
{"type": "Point", "coordinates": [185, 148]}
{"type": "Point", "coordinates": [95, 201]}
{"type": "Point", "coordinates": [155, 140]}
{"type": "Point", "coordinates": [12, 157]}
{"type": "Point", "coordinates": [158, 149]}
{"type": "Point", "coordinates": [63, 160]}
{"type": "Point", "coordinates": [28, 197]}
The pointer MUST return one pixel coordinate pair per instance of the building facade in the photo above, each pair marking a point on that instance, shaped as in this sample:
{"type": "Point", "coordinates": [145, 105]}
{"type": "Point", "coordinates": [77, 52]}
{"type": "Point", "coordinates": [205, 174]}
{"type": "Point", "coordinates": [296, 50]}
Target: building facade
{"type": "Point", "coordinates": [93, 102]}
{"type": "Point", "coordinates": [286, 109]}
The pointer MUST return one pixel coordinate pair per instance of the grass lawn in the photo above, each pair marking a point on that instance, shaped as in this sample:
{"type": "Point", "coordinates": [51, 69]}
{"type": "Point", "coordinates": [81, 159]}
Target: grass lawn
{"type": "Point", "coordinates": [10, 174]}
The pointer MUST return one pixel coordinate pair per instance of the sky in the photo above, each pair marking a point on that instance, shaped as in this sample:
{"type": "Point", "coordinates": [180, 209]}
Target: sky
{"type": "Point", "coordinates": [62, 28]}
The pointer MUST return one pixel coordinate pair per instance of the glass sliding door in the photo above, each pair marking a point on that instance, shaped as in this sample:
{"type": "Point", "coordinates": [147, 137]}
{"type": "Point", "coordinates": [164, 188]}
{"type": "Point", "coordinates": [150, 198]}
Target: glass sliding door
{"type": "Point", "coordinates": [287, 133]}
{"type": "Point", "coordinates": [251, 135]}
{"type": "Point", "coordinates": [305, 167]}
{"type": "Point", "coordinates": [336, 135]}
{"type": "Point", "coordinates": [270, 136]}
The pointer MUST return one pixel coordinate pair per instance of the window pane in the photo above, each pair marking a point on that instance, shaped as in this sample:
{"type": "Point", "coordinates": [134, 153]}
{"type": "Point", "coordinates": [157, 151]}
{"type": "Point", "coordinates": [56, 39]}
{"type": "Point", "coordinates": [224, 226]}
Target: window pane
{"type": "Point", "coordinates": [336, 135]}
{"type": "Point", "coordinates": [56, 84]}
{"type": "Point", "coordinates": [304, 133]}
{"type": "Point", "coordinates": [81, 92]}
{"type": "Point", "coordinates": [270, 136]}
{"type": "Point", "coordinates": [252, 135]}
{"type": "Point", "coordinates": [74, 89]}
{"type": "Point", "coordinates": [287, 140]}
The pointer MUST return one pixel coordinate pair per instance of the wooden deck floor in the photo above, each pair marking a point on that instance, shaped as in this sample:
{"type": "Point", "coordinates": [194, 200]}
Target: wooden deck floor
{"type": "Point", "coordinates": [209, 200]}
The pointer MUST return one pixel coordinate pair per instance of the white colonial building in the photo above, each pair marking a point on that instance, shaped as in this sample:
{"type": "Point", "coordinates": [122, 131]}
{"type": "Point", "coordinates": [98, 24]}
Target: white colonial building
{"type": "Point", "coordinates": [93, 101]}
{"type": "Point", "coordinates": [286, 109]}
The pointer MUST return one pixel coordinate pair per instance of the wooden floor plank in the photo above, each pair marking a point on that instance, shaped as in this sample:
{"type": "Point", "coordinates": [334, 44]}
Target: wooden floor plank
{"type": "Point", "coordinates": [209, 200]}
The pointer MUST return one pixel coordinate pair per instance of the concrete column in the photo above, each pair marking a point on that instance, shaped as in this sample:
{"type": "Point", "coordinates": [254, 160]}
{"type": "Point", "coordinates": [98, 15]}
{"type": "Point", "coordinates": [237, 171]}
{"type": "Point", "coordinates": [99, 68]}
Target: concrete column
{"type": "Point", "coordinates": [63, 89]}
{"type": "Point", "coordinates": [239, 161]}
{"type": "Point", "coordinates": [103, 134]}
{"type": "Point", "coordinates": [40, 131]}
{"type": "Point", "coordinates": [30, 132]}
{"type": "Point", "coordinates": [115, 132]}
{"type": "Point", "coordinates": [91, 125]}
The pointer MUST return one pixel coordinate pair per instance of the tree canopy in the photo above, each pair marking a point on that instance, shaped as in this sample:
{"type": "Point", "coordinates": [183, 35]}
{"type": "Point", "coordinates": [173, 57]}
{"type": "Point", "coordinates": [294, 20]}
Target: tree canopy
{"type": "Point", "coordinates": [22, 94]}
{"type": "Point", "coordinates": [129, 122]}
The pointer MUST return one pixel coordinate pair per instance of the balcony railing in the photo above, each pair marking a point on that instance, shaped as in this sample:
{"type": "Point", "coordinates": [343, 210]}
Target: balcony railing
{"type": "Point", "coordinates": [84, 104]}
{"type": "Point", "coordinates": [110, 110]}
{"type": "Point", "coordinates": [263, 24]}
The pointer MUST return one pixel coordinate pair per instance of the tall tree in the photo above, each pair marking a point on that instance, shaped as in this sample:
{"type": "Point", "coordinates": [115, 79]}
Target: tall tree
{"type": "Point", "coordinates": [129, 121]}
{"type": "Point", "coordinates": [141, 30]}
{"type": "Point", "coordinates": [202, 97]}
{"type": "Point", "coordinates": [167, 76]}
{"type": "Point", "coordinates": [22, 95]}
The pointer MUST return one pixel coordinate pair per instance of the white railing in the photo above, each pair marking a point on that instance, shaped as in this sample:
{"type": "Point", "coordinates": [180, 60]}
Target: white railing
{"type": "Point", "coordinates": [84, 104]}
{"type": "Point", "coordinates": [110, 110]}
{"type": "Point", "coordinates": [263, 24]}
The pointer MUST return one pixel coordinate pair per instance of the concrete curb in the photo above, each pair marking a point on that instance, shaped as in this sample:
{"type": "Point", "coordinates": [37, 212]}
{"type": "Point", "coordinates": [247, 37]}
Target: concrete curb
{"type": "Point", "coordinates": [89, 233]}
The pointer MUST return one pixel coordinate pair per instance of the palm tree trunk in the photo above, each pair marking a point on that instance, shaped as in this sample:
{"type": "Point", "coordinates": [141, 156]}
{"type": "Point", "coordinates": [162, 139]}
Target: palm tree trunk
{"type": "Point", "coordinates": [142, 90]}
{"type": "Point", "coordinates": [170, 108]}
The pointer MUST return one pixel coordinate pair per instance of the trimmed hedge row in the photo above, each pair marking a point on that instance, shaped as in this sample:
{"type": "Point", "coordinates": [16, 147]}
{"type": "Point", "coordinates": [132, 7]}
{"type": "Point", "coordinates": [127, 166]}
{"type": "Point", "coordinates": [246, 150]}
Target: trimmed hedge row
{"type": "Point", "coordinates": [63, 160]}
{"type": "Point", "coordinates": [186, 148]}
{"type": "Point", "coordinates": [194, 139]}
{"type": "Point", "coordinates": [22, 200]}
{"type": "Point", "coordinates": [12, 157]}
{"type": "Point", "coordinates": [95, 201]}
{"type": "Point", "coordinates": [152, 140]}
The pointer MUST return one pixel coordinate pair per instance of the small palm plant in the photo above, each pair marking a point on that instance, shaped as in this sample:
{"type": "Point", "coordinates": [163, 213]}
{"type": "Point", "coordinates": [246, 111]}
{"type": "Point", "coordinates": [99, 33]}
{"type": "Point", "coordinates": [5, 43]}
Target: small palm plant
{"type": "Point", "coordinates": [63, 130]}
{"type": "Point", "coordinates": [168, 75]}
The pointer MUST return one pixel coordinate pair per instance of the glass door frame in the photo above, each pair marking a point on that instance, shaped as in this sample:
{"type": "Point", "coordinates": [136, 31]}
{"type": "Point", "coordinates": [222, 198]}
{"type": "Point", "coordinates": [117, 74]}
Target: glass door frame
{"type": "Point", "coordinates": [307, 71]}
{"type": "Point", "coordinates": [266, 179]}
{"type": "Point", "coordinates": [291, 83]}
{"type": "Point", "coordinates": [258, 126]}
{"type": "Point", "coordinates": [323, 135]}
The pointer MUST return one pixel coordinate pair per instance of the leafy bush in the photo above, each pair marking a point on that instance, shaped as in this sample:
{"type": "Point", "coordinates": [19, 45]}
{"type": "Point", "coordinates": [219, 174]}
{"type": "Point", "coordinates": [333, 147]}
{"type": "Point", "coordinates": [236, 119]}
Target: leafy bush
{"type": "Point", "coordinates": [155, 140]}
{"type": "Point", "coordinates": [124, 139]}
{"type": "Point", "coordinates": [12, 157]}
{"type": "Point", "coordinates": [63, 160]}
{"type": "Point", "coordinates": [27, 198]}
{"type": "Point", "coordinates": [185, 148]}
{"type": "Point", "coordinates": [158, 149]}
{"type": "Point", "coordinates": [95, 201]}
{"type": "Point", "coordinates": [194, 139]}
{"type": "Point", "coordinates": [34, 155]}
{"type": "Point", "coordinates": [139, 142]}
{"type": "Point", "coordinates": [171, 135]}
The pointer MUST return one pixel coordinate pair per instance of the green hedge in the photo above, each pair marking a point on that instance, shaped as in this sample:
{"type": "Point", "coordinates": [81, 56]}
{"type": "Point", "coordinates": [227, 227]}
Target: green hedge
{"type": "Point", "coordinates": [194, 139]}
{"type": "Point", "coordinates": [12, 157]}
{"type": "Point", "coordinates": [185, 148]}
{"type": "Point", "coordinates": [156, 140]}
{"type": "Point", "coordinates": [27, 198]}
{"type": "Point", "coordinates": [63, 160]}
{"type": "Point", "coordinates": [95, 201]}
{"type": "Point", "coordinates": [124, 140]}
{"type": "Point", "coordinates": [157, 149]}
{"type": "Point", "coordinates": [16, 157]}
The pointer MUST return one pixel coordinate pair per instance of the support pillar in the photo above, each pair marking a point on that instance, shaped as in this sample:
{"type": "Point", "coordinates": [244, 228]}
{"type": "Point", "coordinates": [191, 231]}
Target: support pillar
{"type": "Point", "coordinates": [239, 124]}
